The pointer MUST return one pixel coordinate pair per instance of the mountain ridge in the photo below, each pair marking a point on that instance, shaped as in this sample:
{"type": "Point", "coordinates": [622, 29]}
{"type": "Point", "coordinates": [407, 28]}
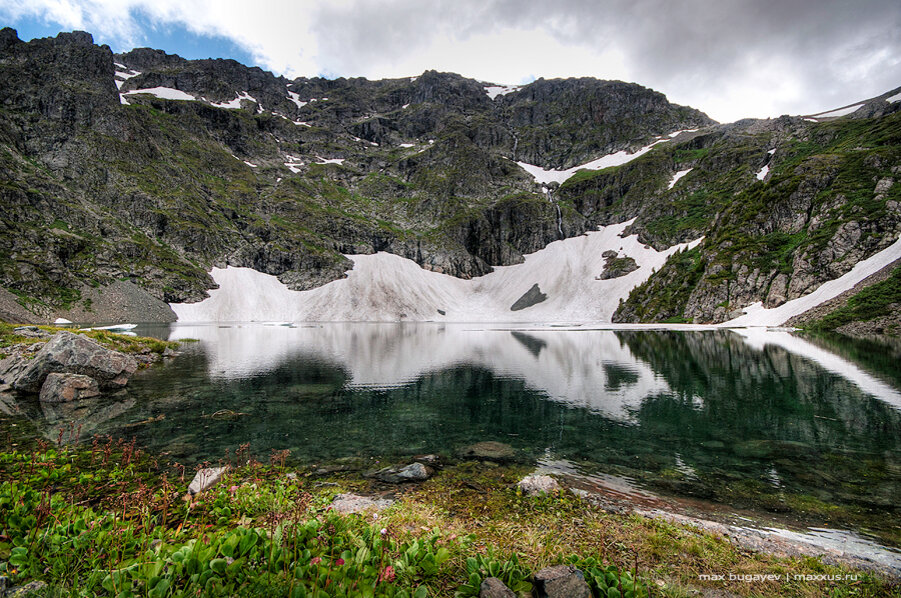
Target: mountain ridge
{"type": "Point", "coordinates": [287, 177]}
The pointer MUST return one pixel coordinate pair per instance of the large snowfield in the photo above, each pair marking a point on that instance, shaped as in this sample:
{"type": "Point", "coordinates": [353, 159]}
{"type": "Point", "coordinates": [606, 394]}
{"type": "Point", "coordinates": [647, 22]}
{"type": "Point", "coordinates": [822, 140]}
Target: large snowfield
{"type": "Point", "coordinates": [387, 288]}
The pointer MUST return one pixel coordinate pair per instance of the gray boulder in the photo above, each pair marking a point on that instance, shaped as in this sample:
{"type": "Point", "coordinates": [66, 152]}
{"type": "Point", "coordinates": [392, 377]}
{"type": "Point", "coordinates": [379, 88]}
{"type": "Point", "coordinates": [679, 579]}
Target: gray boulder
{"type": "Point", "coordinates": [63, 388]}
{"type": "Point", "coordinates": [354, 503]}
{"type": "Point", "coordinates": [206, 478]}
{"type": "Point", "coordinates": [414, 472]}
{"type": "Point", "coordinates": [75, 354]}
{"type": "Point", "coordinates": [561, 581]}
{"type": "Point", "coordinates": [536, 485]}
{"type": "Point", "coordinates": [492, 587]}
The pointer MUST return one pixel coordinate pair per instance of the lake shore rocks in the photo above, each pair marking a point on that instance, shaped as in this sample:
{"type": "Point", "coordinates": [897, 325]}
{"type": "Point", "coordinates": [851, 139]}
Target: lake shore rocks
{"type": "Point", "coordinates": [414, 472]}
{"type": "Point", "coordinates": [63, 388]}
{"type": "Point", "coordinates": [536, 485]}
{"type": "Point", "coordinates": [73, 354]}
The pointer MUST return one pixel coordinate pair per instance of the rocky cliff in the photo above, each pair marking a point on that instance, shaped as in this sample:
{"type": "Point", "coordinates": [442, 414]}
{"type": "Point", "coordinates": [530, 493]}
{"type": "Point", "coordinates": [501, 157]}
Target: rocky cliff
{"type": "Point", "coordinates": [144, 170]}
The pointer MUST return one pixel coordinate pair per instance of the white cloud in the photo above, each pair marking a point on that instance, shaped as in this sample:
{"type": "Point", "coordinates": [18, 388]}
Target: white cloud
{"type": "Point", "coordinates": [731, 58]}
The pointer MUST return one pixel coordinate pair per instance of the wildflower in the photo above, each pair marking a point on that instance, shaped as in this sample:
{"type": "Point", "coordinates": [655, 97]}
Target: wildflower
{"type": "Point", "coordinates": [387, 574]}
{"type": "Point", "coordinates": [383, 531]}
{"type": "Point", "coordinates": [315, 560]}
{"type": "Point", "coordinates": [339, 562]}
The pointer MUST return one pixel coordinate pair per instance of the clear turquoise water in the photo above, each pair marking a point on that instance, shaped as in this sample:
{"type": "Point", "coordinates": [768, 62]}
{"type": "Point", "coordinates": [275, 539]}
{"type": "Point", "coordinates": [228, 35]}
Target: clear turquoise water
{"type": "Point", "coordinates": [761, 420]}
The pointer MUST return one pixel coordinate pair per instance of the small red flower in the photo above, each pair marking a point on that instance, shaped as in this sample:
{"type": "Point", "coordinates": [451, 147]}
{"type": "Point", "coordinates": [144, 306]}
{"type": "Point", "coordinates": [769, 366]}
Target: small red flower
{"type": "Point", "coordinates": [339, 562]}
{"type": "Point", "coordinates": [387, 574]}
{"type": "Point", "coordinates": [315, 560]}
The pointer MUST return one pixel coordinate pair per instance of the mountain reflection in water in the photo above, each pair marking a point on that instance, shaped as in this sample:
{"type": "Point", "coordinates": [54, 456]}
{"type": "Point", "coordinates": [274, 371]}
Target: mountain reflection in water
{"type": "Point", "coordinates": [752, 419]}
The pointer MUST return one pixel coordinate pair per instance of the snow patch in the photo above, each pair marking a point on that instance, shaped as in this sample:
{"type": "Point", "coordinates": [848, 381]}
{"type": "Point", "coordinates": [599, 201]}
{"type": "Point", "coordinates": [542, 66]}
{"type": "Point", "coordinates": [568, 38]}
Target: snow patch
{"type": "Point", "coordinates": [678, 176]}
{"type": "Point", "coordinates": [250, 164]}
{"type": "Point", "coordinates": [544, 176]}
{"type": "Point", "coordinates": [757, 315]}
{"type": "Point", "coordinates": [295, 97]}
{"type": "Point", "coordinates": [165, 93]}
{"type": "Point", "coordinates": [500, 90]}
{"type": "Point", "coordinates": [404, 107]}
{"type": "Point", "coordinates": [235, 103]}
{"type": "Point", "coordinates": [123, 101]}
{"type": "Point", "coordinates": [294, 165]}
{"type": "Point", "coordinates": [677, 133]}
{"type": "Point", "coordinates": [839, 112]}
{"type": "Point", "coordinates": [322, 160]}
{"type": "Point", "coordinates": [761, 174]}
{"type": "Point", "coordinates": [894, 98]}
{"type": "Point", "coordinates": [387, 287]}
{"type": "Point", "coordinates": [772, 151]}
{"type": "Point", "coordinates": [406, 145]}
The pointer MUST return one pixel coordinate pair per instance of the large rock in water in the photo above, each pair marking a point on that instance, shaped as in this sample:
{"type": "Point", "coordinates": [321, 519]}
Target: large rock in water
{"type": "Point", "coordinates": [63, 388]}
{"type": "Point", "coordinates": [75, 354]}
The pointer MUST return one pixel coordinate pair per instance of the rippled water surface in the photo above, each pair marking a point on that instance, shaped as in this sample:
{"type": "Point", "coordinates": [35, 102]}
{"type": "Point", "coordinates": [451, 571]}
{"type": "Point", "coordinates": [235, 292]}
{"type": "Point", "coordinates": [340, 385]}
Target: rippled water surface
{"type": "Point", "coordinates": [759, 420]}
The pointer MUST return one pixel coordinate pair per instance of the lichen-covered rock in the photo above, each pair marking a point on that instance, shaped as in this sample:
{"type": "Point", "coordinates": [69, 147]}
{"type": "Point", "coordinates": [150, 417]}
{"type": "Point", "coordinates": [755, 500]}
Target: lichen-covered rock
{"type": "Point", "coordinates": [354, 503]}
{"type": "Point", "coordinates": [75, 354]}
{"type": "Point", "coordinates": [536, 485]}
{"type": "Point", "coordinates": [64, 388]}
{"type": "Point", "coordinates": [561, 581]}
{"type": "Point", "coordinates": [492, 587]}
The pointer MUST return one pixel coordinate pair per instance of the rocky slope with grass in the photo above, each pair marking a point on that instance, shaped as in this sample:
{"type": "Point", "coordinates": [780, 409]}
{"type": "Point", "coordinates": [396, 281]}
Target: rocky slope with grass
{"type": "Point", "coordinates": [126, 178]}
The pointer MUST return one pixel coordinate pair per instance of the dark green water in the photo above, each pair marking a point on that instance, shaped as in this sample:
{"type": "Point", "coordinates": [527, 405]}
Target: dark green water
{"type": "Point", "coordinates": [763, 421]}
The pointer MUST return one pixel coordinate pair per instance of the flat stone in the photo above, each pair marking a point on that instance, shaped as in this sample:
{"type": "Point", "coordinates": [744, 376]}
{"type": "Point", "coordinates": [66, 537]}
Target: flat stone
{"type": "Point", "coordinates": [536, 485]}
{"type": "Point", "coordinates": [75, 354]}
{"type": "Point", "coordinates": [488, 449]}
{"type": "Point", "coordinates": [561, 581]}
{"type": "Point", "coordinates": [34, 589]}
{"type": "Point", "coordinates": [31, 332]}
{"type": "Point", "coordinates": [206, 478]}
{"type": "Point", "coordinates": [354, 503]}
{"type": "Point", "coordinates": [64, 388]}
{"type": "Point", "coordinates": [414, 472]}
{"type": "Point", "coordinates": [492, 587]}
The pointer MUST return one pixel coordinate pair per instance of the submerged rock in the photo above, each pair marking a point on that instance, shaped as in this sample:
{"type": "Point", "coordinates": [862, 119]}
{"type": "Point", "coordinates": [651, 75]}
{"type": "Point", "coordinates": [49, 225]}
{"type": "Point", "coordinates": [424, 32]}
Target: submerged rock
{"type": "Point", "coordinates": [561, 581]}
{"type": "Point", "coordinates": [414, 472]}
{"type": "Point", "coordinates": [354, 503]}
{"type": "Point", "coordinates": [536, 485]}
{"type": "Point", "coordinates": [63, 388]}
{"type": "Point", "coordinates": [489, 449]}
{"type": "Point", "coordinates": [206, 478]}
{"type": "Point", "coordinates": [75, 354]}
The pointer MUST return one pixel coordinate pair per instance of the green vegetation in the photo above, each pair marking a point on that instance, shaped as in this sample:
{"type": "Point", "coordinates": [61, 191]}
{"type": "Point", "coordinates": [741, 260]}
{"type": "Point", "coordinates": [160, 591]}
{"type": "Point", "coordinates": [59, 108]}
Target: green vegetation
{"type": "Point", "coordinates": [110, 520]}
{"type": "Point", "coordinates": [876, 300]}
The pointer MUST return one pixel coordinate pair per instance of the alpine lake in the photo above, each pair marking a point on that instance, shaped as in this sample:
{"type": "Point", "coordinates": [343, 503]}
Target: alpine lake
{"type": "Point", "coordinates": [768, 427]}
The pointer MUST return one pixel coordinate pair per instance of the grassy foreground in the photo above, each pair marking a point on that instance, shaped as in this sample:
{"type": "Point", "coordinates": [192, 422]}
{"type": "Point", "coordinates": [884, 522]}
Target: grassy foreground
{"type": "Point", "coordinates": [110, 520]}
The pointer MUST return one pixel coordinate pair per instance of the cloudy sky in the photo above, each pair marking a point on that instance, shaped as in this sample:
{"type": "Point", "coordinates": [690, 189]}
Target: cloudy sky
{"type": "Point", "coordinates": [729, 58]}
